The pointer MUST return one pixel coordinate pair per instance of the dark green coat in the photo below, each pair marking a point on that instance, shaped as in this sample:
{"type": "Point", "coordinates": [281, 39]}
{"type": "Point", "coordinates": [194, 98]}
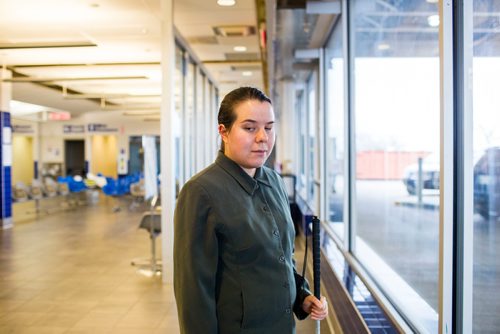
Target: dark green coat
{"type": "Point", "coordinates": [233, 253]}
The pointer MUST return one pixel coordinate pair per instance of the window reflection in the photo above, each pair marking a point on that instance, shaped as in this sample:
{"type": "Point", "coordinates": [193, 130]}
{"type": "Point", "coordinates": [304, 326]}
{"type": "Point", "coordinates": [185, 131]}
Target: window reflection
{"type": "Point", "coordinates": [189, 123]}
{"type": "Point", "coordinates": [486, 154]}
{"type": "Point", "coordinates": [312, 142]}
{"type": "Point", "coordinates": [335, 129]}
{"type": "Point", "coordinates": [178, 94]}
{"type": "Point", "coordinates": [396, 112]}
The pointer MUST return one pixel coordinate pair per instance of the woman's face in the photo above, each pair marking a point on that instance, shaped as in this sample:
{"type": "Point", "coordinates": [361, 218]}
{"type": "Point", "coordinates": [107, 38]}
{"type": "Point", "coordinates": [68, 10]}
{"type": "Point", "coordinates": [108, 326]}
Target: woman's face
{"type": "Point", "coordinates": [251, 138]}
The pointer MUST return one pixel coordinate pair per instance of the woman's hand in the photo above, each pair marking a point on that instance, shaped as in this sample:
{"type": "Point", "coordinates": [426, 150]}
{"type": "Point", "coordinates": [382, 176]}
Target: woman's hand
{"type": "Point", "coordinates": [316, 308]}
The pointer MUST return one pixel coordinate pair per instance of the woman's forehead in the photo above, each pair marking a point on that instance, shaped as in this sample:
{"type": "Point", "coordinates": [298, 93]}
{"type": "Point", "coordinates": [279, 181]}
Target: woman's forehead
{"type": "Point", "coordinates": [254, 109]}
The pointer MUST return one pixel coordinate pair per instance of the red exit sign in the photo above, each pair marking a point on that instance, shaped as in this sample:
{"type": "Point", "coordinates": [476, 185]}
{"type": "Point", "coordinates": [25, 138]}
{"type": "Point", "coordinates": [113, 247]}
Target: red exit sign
{"type": "Point", "coordinates": [59, 116]}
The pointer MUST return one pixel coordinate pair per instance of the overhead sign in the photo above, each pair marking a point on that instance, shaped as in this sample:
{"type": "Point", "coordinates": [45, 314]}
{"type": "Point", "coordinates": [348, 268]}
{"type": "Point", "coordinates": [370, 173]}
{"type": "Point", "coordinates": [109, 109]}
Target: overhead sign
{"type": "Point", "coordinates": [98, 127]}
{"type": "Point", "coordinates": [73, 128]}
{"type": "Point", "coordinates": [22, 128]}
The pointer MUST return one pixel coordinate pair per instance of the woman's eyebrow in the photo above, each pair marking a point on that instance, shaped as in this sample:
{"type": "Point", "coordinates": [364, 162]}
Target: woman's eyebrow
{"type": "Point", "coordinates": [254, 121]}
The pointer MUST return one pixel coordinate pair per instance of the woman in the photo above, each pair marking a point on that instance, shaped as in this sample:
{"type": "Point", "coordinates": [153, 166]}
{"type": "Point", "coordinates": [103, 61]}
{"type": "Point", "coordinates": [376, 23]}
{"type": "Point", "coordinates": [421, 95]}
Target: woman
{"type": "Point", "coordinates": [234, 237]}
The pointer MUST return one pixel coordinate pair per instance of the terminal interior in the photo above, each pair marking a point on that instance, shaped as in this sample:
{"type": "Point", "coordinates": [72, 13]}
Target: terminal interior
{"type": "Point", "coordinates": [387, 130]}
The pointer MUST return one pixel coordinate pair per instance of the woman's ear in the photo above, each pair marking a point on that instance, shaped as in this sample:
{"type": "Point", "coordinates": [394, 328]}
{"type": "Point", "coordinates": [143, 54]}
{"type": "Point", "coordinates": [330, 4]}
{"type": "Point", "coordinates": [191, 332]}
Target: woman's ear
{"type": "Point", "coordinates": [223, 132]}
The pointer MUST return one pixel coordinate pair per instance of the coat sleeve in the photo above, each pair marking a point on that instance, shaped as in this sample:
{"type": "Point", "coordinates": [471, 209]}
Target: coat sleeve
{"type": "Point", "coordinates": [195, 261]}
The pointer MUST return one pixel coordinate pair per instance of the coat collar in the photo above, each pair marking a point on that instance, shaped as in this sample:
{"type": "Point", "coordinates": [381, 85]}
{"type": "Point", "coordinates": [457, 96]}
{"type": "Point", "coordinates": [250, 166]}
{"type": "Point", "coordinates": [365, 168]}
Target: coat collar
{"type": "Point", "coordinates": [246, 181]}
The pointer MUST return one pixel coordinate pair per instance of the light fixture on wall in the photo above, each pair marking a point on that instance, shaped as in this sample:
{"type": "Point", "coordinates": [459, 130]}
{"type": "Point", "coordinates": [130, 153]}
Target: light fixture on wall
{"type": "Point", "coordinates": [240, 48]}
{"type": "Point", "coordinates": [18, 108]}
{"type": "Point", "coordinates": [226, 3]}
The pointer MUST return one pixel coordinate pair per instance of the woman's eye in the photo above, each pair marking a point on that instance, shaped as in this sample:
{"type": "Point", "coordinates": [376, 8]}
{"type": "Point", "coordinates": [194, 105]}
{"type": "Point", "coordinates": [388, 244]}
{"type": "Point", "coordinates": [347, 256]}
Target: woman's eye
{"type": "Point", "coordinates": [269, 129]}
{"type": "Point", "coordinates": [250, 129]}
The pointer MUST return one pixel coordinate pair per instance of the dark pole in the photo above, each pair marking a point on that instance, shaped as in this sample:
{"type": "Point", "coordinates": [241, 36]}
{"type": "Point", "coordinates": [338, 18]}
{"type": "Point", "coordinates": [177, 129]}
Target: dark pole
{"type": "Point", "coordinates": [316, 261]}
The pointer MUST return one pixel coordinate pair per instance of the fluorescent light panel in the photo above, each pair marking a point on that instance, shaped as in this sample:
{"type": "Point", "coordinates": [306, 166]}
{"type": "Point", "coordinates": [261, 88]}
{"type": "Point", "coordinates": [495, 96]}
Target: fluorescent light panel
{"type": "Point", "coordinates": [107, 96]}
{"type": "Point", "coordinates": [31, 79]}
{"type": "Point", "coordinates": [38, 45]}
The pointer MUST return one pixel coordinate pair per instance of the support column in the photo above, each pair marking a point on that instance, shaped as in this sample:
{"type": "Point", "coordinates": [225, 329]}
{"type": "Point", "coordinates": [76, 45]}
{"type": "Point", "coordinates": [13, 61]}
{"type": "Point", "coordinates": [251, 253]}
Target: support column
{"type": "Point", "coordinates": [167, 141]}
{"type": "Point", "coordinates": [5, 152]}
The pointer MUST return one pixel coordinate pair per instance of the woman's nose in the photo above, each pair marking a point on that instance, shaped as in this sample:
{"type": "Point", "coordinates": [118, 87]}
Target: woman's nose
{"type": "Point", "coordinates": [261, 135]}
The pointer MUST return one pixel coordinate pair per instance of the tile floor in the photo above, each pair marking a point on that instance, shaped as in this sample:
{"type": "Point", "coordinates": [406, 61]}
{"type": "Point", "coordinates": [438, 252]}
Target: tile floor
{"type": "Point", "coordinates": [69, 271]}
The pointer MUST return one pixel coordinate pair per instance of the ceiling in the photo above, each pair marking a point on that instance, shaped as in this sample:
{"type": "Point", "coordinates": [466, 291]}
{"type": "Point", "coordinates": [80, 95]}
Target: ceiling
{"type": "Point", "coordinates": [90, 55]}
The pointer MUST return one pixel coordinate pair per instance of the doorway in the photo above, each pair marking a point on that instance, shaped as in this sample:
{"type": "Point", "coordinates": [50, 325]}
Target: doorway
{"type": "Point", "coordinates": [74, 157]}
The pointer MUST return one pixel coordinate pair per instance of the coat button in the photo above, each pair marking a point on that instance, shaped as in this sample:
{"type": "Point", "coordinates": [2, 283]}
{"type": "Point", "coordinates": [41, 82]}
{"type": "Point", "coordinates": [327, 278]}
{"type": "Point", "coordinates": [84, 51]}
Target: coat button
{"type": "Point", "coordinates": [282, 258]}
{"type": "Point", "coordinates": [288, 311]}
{"type": "Point", "coordinates": [265, 208]}
{"type": "Point", "coordinates": [276, 233]}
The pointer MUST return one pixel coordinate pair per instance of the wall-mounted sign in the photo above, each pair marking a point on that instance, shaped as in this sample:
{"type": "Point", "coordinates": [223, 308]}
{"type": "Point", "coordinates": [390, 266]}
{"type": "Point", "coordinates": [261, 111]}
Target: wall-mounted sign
{"type": "Point", "coordinates": [22, 128]}
{"type": "Point", "coordinates": [73, 128]}
{"type": "Point", "coordinates": [97, 127]}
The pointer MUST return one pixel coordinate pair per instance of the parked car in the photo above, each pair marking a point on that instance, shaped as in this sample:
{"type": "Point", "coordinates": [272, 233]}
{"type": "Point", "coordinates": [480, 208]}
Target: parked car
{"type": "Point", "coordinates": [486, 181]}
{"type": "Point", "coordinates": [430, 174]}
{"type": "Point", "coordinates": [487, 184]}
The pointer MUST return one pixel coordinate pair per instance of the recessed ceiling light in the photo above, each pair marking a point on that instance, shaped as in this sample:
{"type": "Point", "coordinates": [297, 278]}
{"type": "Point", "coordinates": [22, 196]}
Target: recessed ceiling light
{"type": "Point", "coordinates": [247, 73]}
{"type": "Point", "coordinates": [433, 20]}
{"type": "Point", "coordinates": [226, 2]}
{"type": "Point", "coordinates": [432, 1]}
{"type": "Point", "coordinates": [383, 46]}
{"type": "Point", "coordinates": [240, 48]}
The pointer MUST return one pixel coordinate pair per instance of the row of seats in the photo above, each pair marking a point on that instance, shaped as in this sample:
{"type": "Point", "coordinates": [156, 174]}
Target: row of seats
{"type": "Point", "coordinates": [38, 190]}
{"type": "Point", "coordinates": [129, 184]}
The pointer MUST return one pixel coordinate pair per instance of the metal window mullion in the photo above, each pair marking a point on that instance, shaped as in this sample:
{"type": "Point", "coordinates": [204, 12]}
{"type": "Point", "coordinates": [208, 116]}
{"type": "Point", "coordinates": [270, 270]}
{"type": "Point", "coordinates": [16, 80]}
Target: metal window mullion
{"type": "Point", "coordinates": [463, 225]}
{"type": "Point", "coordinates": [350, 148]}
{"type": "Point", "coordinates": [185, 133]}
{"type": "Point", "coordinates": [446, 214]}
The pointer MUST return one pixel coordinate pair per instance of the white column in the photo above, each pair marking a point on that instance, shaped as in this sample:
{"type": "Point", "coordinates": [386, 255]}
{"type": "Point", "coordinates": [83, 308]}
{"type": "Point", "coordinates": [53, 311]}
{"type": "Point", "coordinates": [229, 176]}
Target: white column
{"type": "Point", "coordinates": [167, 140]}
{"type": "Point", "coordinates": [5, 90]}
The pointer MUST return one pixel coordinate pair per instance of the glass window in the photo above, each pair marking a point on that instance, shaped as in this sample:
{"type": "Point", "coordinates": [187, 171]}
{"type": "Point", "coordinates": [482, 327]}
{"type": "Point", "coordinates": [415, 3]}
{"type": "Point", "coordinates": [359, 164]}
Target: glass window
{"type": "Point", "coordinates": [189, 124]}
{"type": "Point", "coordinates": [200, 119]}
{"type": "Point", "coordinates": [178, 98]}
{"type": "Point", "coordinates": [396, 109]}
{"type": "Point", "coordinates": [301, 117]}
{"type": "Point", "coordinates": [486, 156]}
{"type": "Point", "coordinates": [335, 154]}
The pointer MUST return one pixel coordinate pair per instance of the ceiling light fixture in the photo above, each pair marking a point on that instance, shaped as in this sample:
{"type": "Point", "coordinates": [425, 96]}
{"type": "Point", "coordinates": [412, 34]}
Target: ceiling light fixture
{"type": "Point", "coordinates": [31, 79]}
{"type": "Point", "coordinates": [22, 108]}
{"type": "Point", "coordinates": [383, 46]}
{"type": "Point", "coordinates": [108, 96]}
{"type": "Point", "coordinates": [226, 3]}
{"type": "Point", "coordinates": [240, 48]}
{"type": "Point", "coordinates": [247, 73]}
{"type": "Point", "coordinates": [42, 45]}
